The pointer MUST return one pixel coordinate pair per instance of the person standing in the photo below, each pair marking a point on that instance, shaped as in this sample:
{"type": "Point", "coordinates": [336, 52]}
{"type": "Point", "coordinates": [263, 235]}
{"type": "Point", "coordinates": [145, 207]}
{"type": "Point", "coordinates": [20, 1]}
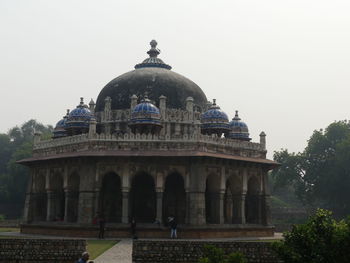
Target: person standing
{"type": "Point", "coordinates": [173, 228]}
{"type": "Point", "coordinates": [101, 225]}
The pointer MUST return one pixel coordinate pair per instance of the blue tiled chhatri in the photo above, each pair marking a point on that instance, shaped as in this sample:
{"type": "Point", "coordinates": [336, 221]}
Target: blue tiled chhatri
{"type": "Point", "coordinates": [239, 129]}
{"type": "Point", "coordinates": [214, 121]}
{"type": "Point", "coordinates": [79, 117]}
{"type": "Point", "coordinates": [145, 113]}
{"type": "Point", "coordinates": [60, 128]}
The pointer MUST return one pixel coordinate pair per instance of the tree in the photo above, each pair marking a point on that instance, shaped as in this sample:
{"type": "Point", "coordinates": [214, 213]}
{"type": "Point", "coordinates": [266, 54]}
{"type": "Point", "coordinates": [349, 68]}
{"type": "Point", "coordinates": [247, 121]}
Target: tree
{"type": "Point", "coordinates": [320, 175]}
{"type": "Point", "coordinates": [15, 145]}
{"type": "Point", "coordinates": [321, 239]}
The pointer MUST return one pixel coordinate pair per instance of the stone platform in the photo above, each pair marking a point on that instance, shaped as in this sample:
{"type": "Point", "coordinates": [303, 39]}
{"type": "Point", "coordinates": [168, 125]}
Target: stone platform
{"type": "Point", "coordinates": [149, 231]}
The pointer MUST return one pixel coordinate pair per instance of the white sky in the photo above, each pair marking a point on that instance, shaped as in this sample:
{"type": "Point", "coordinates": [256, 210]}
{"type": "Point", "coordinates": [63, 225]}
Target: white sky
{"type": "Point", "coordinates": [283, 64]}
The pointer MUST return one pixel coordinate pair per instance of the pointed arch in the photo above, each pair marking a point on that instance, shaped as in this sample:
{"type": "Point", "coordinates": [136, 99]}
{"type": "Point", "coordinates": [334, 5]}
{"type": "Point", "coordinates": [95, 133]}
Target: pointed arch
{"type": "Point", "coordinates": [252, 203]}
{"type": "Point", "coordinates": [143, 198]}
{"type": "Point", "coordinates": [212, 199]}
{"type": "Point", "coordinates": [110, 203]}
{"type": "Point", "coordinates": [174, 198]}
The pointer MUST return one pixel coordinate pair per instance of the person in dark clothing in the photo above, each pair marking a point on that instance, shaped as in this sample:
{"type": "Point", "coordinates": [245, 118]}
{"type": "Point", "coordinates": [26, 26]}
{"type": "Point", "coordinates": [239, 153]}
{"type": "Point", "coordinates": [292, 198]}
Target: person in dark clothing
{"type": "Point", "coordinates": [133, 228]}
{"type": "Point", "coordinates": [84, 258]}
{"type": "Point", "coordinates": [102, 225]}
{"type": "Point", "coordinates": [173, 228]}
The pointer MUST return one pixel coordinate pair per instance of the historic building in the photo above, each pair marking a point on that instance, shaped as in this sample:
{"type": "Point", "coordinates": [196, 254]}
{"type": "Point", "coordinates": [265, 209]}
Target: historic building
{"type": "Point", "coordinates": [151, 147]}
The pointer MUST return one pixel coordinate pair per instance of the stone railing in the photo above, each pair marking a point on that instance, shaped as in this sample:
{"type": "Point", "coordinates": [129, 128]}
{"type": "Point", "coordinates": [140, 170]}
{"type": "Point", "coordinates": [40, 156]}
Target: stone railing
{"type": "Point", "coordinates": [190, 251]}
{"type": "Point", "coordinates": [131, 141]}
{"type": "Point", "coordinates": [41, 250]}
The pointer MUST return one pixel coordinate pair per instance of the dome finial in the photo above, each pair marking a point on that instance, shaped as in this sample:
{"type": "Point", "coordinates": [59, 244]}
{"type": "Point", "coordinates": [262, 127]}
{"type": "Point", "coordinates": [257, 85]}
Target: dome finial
{"type": "Point", "coordinates": [81, 101]}
{"type": "Point", "coordinates": [154, 51]}
{"type": "Point", "coordinates": [236, 115]}
{"type": "Point", "coordinates": [214, 102]}
{"type": "Point", "coordinates": [153, 60]}
{"type": "Point", "coordinates": [153, 43]}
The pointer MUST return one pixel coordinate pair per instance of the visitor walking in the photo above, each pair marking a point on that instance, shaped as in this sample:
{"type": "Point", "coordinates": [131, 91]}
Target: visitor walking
{"type": "Point", "coordinates": [102, 225]}
{"type": "Point", "coordinates": [84, 258]}
{"type": "Point", "coordinates": [133, 228]}
{"type": "Point", "coordinates": [173, 228]}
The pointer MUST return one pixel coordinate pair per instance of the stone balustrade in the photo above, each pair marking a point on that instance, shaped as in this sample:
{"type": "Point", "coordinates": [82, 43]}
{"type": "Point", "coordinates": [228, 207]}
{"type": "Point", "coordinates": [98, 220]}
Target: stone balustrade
{"type": "Point", "coordinates": [97, 142]}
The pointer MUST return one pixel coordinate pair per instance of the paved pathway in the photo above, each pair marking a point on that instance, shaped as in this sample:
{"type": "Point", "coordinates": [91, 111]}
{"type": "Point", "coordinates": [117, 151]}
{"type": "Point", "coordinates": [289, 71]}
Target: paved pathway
{"type": "Point", "coordinates": [119, 253]}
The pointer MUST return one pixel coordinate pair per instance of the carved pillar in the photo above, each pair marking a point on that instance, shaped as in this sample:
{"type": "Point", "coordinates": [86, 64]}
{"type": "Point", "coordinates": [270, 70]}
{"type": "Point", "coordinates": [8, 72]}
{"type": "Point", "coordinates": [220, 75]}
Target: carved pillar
{"type": "Point", "coordinates": [29, 205]}
{"type": "Point", "coordinates": [266, 210]}
{"type": "Point", "coordinates": [70, 206]}
{"type": "Point", "coordinates": [97, 200]}
{"type": "Point", "coordinates": [125, 206]}
{"type": "Point", "coordinates": [51, 205]}
{"type": "Point", "coordinates": [228, 208]}
{"type": "Point", "coordinates": [160, 205]}
{"type": "Point", "coordinates": [177, 129]}
{"type": "Point", "coordinates": [239, 209]}
{"type": "Point", "coordinates": [86, 206]}
{"type": "Point", "coordinates": [221, 207]}
{"type": "Point", "coordinates": [196, 208]}
{"type": "Point", "coordinates": [168, 127]}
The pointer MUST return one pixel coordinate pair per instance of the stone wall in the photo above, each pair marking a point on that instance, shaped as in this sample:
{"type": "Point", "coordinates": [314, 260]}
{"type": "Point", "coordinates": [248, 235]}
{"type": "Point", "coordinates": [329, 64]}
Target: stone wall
{"type": "Point", "coordinates": [190, 251]}
{"type": "Point", "coordinates": [41, 250]}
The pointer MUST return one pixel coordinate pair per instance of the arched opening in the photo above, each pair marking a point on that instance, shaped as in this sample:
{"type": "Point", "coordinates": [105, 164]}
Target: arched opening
{"type": "Point", "coordinates": [111, 198]}
{"type": "Point", "coordinates": [174, 198]}
{"type": "Point", "coordinates": [228, 203]}
{"type": "Point", "coordinates": [73, 197]}
{"type": "Point", "coordinates": [143, 198]}
{"type": "Point", "coordinates": [212, 199]}
{"type": "Point", "coordinates": [252, 203]}
{"type": "Point", "coordinates": [40, 198]}
{"type": "Point", "coordinates": [58, 202]}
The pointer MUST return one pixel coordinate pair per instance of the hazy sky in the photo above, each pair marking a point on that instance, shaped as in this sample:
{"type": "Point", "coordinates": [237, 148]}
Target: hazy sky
{"type": "Point", "coordinates": [285, 65]}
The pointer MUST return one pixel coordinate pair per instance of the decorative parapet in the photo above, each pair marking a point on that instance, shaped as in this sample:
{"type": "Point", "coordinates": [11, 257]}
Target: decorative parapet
{"type": "Point", "coordinates": [149, 142]}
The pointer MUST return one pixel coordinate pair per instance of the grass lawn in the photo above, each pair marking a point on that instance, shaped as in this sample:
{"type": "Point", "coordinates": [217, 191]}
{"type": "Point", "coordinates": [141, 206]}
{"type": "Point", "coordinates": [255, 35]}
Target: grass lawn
{"type": "Point", "coordinates": [9, 229]}
{"type": "Point", "coordinates": [97, 247]}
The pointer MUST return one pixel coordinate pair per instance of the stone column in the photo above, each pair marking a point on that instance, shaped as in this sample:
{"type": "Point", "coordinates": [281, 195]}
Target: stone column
{"type": "Point", "coordinates": [125, 206]}
{"type": "Point", "coordinates": [86, 206]}
{"type": "Point", "coordinates": [29, 205]}
{"type": "Point", "coordinates": [97, 200]}
{"type": "Point", "coordinates": [196, 208]}
{"type": "Point", "coordinates": [266, 210]}
{"type": "Point", "coordinates": [160, 205]}
{"type": "Point", "coordinates": [70, 198]}
{"type": "Point", "coordinates": [228, 208]}
{"type": "Point", "coordinates": [239, 209]}
{"type": "Point", "coordinates": [259, 210]}
{"type": "Point", "coordinates": [51, 205]}
{"type": "Point", "coordinates": [221, 207]}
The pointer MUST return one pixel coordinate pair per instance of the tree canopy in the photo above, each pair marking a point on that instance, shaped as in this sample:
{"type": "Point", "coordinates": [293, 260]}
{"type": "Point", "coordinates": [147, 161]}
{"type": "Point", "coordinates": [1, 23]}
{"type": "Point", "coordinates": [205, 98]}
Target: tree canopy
{"type": "Point", "coordinates": [17, 144]}
{"type": "Point", "coordinates": [320, 239]}
{"type": "Point", "coordinates": [320, 175]}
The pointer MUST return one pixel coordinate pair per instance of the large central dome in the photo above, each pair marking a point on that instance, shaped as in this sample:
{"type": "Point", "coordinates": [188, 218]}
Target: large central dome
{"type": "Point", "coordinates": [155, 78]}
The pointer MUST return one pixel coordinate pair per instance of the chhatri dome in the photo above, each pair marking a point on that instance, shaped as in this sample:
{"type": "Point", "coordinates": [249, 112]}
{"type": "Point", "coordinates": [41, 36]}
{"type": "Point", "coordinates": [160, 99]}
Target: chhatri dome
{"type": "Point", "coordinates": [154, 77]}
{"type": "Point", "coordinates": [239, 129]}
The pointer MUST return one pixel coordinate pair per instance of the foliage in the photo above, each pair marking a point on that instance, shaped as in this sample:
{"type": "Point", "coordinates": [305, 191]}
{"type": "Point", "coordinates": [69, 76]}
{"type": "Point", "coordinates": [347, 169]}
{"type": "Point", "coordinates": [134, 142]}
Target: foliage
{"type": "Point", "coordinates": [321, 239]}
{"type": "Point", "coordinates": [321, 173]}
{"type": "Point", "coordinates": [212, 254]}
{"type": "Point", "coordinates": [2, 217]}
{"type": "Point", "coordinates": [15, 145]}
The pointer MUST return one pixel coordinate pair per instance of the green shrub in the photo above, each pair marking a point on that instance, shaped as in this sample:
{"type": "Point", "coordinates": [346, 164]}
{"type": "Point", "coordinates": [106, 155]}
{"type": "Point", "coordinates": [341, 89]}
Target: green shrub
{"type": "Point", "coordinates": [212, 254]}
{"type": "Point", "coordinates": [2, 217]}
{"type": "Point", "coordinates": [320, 240]}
